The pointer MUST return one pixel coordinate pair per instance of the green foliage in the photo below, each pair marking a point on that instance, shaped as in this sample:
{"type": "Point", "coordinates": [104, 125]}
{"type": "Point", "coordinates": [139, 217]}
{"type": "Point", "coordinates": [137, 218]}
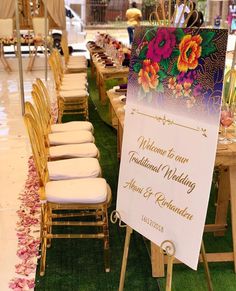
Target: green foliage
{"type": "Point", "coordinates": [165, 64]}
{"type": "Point", "coordinates": [179, 34]}
{"type": "Point", "coordinates": [143, 53]}
{"type": "Point", "coordinates": [160, 88]}
{"type": "Point", "coordinates": [174, 71]}
{"type": "Point", "coordinates": [162, 75]}
{"type": "Point", "coordinates": [208, 47]}
{"type": "Point", "coordinates": [137, 67]}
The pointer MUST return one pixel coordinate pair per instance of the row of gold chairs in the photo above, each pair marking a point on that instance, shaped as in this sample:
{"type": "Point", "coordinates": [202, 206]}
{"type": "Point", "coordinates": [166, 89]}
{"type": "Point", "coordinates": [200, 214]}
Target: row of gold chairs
{"type": "Point", "coordinates": [73, 64]}
{"type": "Point", "coordinates": [71, 88]}
{"type": "Point", "coordinates": [72, 191]}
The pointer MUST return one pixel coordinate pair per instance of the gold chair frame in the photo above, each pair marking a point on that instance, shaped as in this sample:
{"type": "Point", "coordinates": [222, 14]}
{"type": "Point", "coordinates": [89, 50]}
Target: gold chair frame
{"type": "Point", "coordinates": [72, 105]}
{"type": "Point", "coordinates": [64, 214]}
{"type": "Point", "coordinates": [165, 14]}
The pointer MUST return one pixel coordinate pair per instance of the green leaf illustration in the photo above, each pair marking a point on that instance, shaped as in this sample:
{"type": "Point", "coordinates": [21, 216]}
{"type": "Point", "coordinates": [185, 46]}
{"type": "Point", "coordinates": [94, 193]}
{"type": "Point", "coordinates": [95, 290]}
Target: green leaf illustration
{"type": "Point", "coordinates": [150, 35]}
{"type": "Point", "coordinates": [207, 37]}
{"type": "Point", "coordinates": [137, 67]}
{"type": "Point", "coordinates": [207, 50]}
{"type": "Point", "coordinates": [174, 70]}
{"type": "Point", "coordinates": [162, 75]}
{"type": "Point", "coordinates": [142, 55]}
{"type": "Point", "coordinates": [165, 64]}
{"type": "Point", "coordinates": [175, 53]}
{"type": "Point", "coordinates": [160, 87]}
{"type": "Point", "coordinates": [141, 94]}
{"type": "Point", "coordinates": [179, 34]}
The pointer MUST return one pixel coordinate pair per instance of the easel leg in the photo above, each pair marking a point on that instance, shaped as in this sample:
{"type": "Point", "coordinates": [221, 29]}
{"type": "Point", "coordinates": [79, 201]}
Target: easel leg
{"type": "Point", "coordinates": [129, 231]}
{"type": "Point", "coordinates": [232, 173]}
{"type": "Point", "coordinates": [169, 273]}
{"type": "Point", "coordinates": [157, 261]}
{"type": "Point", "coordinates": [205, 263]}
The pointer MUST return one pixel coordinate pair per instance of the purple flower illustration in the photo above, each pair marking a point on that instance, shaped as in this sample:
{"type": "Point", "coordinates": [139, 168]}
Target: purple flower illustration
{"type": "Point", "coordinates": [161, 46]}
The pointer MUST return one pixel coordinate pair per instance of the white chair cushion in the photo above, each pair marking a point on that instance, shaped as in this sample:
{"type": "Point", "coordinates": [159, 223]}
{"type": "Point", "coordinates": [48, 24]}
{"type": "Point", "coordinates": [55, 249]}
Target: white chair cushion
{"type": "Point", "coordinates": [74, 168]}
{"type": "Point", "coordinates": [75, 75]}
{"type": "Point", "coordinates": [77, 63]}
{"type": "Point", "coordinates": [73, 93]}
{"type": "Point", "coordinates": [74, 79]}
{"type": "Point", "coordinates": [71, 137]}
{"type": "Point", "coordinates": [86, 191]}
{"type": "Point", "coordinates": [76, 66]}
{"type": "Point", "coordinates": [83, 150]}
{"type": "Point", "coordinates": [72, 126]}
{"type": "Point", "coordinates": [75, 58]}
{"type": "Point", "coordinates": [68, 86]}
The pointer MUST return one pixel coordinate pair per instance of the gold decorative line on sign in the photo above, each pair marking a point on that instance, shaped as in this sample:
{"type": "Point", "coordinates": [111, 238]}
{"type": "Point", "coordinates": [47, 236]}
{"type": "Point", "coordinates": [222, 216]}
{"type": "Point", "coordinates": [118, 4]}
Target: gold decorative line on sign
{"type": "Point", "coordinates": [165, 121]}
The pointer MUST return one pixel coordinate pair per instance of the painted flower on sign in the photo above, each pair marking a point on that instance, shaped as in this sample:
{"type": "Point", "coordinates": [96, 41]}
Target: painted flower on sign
{"type": "Point", "coordinates": [147, 76]}
{"type": "Point", "coordinates": [190, 51]}
{"type": "Point", "coordinates": [168, 61]}
{"type": "Point", "coordinates": [161, 46]}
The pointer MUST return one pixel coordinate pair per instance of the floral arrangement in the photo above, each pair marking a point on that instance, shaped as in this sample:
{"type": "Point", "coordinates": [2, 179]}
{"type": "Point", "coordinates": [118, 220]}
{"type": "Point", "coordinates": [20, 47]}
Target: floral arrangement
{"type": "Point", "coordinates": [170, 60]}
{"type": "Point", "coordinates": [27, 228]}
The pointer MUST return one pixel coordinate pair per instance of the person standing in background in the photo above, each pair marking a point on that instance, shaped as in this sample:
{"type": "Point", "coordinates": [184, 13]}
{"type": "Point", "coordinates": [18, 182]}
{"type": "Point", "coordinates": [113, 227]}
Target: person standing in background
{"type": "Point", "coordinates": [134, 16]}
{"type": "Point", "coordinates": [180, 17]}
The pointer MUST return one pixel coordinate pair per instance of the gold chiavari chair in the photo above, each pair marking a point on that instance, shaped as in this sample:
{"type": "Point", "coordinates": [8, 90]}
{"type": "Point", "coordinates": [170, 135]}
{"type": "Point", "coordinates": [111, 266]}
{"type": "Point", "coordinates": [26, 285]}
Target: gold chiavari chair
{"type": "Point", "coordinates": [61, 138]}
{"type": "Point", "coordinates": [6, 33]}
{"type": "Point", "coordinates": [74, 101]}
{"type": "Point", "coordinates": [167, 14]}
{"type": "Point", "coordinates": [72, 64]}
{"type": "Point", "coordinates": [66, 150]}
{"type": "Point", "coordinates": [62, 201]}
{"type": "Point", "coordinates": [66, 168]}
{"type": "Point", "coordinates": [45, 108]}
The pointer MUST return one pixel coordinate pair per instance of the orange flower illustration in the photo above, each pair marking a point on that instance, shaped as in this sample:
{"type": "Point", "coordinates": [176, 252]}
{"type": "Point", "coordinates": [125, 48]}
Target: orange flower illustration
{"type": "Point", "coordinates": [144, 80]}
{"type": "Point", "coordinates": [187, 88]}
{"type": "Point", "coordinates": [178, 90]}
{"type": "Point", "coordinates": [172, 83]}
{"type": "Point", "coordinates": [190, 51]}
{"type": "Point", "coordinates": [148, 77]}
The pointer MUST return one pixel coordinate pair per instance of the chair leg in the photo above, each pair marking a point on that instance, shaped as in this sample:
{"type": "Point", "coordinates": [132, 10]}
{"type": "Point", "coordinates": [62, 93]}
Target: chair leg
{"type": "Point", "coordinates": [44, 242]}
{"type": "Point", "coordinates": [106, 242]}
{"type": "Point", "coordinates": [49, 227]}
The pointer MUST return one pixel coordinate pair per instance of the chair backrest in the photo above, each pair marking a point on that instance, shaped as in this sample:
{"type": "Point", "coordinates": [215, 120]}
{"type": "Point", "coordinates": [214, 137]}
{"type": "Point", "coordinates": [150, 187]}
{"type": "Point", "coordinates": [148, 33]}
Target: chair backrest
{"type": "Point", "coordinates": [230, 87]}
{"type": "Point", "coordinates": [6, 27]}
{"type": "Point", "coordinates": [168, 15]}
{"type": "Point", "coordinates": [41, 106]}
{"type": "Point", "coordinates": [56, 75]}
{"type": "Point", "coordinates": [43, 89]}
{"type": "Point", "coordinates": [39, 25]}
{"type": "Point", "coordinates": [30, 109]}
{"type": "Point", "coordinates": [37, 149]}
{"type": "Point", "coordinates": [65, 49]}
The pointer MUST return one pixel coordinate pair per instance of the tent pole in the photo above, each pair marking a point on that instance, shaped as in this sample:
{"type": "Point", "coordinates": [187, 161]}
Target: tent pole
{"type": "Point", "coordinates": [19, 58]}
{"type": "Point", "coordinates": [46, 42]}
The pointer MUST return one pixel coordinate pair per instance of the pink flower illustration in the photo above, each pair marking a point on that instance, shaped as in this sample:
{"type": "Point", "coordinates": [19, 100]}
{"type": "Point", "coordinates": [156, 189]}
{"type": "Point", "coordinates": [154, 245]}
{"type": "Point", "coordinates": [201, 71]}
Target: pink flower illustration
{"type": "Point", "coordinates": [161, 46]}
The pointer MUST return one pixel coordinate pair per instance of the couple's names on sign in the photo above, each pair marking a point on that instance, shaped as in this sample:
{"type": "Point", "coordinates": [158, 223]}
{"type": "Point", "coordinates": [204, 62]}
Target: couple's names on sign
{"type": "Point", "coordinates": [164, 171]}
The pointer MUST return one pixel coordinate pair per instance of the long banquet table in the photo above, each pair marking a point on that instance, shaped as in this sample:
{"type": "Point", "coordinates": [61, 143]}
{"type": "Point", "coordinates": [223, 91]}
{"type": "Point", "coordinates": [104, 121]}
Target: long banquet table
{"type": "Point", "coordinates": [105, 73]}
{"type": "Point", "coordinates": [226, 163]}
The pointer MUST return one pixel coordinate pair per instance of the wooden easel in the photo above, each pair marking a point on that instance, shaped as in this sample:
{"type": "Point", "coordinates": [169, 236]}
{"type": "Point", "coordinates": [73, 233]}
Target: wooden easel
{"type": "Point", "coordinates": [167, 247]}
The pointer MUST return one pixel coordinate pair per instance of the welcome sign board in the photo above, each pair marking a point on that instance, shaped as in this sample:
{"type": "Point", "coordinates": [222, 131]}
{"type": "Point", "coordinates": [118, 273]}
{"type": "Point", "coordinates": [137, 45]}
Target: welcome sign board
{"type": "Point", "coordinates": [170, 134]}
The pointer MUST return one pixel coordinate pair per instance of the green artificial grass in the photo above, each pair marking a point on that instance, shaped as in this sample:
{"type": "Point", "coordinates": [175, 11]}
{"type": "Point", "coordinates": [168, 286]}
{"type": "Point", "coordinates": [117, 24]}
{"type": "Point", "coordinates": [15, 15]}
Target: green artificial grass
{"type": "Point", "coordinates": [103, 109]}
{"type": "Point", "coordinates": [76, 264]}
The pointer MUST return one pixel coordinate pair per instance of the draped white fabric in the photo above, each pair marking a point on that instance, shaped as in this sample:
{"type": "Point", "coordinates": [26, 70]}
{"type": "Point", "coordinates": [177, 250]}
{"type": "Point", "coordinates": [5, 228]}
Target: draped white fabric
{"type": "Point", "coordinates": [56, 9]}
{"type": "Point", "coordinates": [7, 8]}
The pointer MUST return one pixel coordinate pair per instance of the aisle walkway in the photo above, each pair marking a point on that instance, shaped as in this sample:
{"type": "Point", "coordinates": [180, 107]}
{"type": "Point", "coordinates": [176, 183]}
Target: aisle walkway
{"type": "Point", "coordinates": [14, 154]}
